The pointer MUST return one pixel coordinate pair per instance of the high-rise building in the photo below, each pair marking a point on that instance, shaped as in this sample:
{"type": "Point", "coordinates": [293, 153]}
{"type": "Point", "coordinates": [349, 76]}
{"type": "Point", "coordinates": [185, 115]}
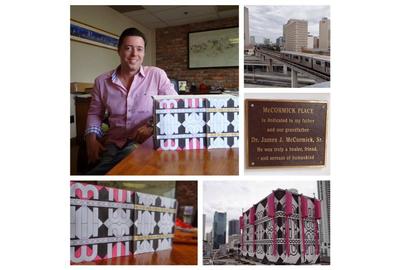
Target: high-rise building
{"type": "Point", "coordinates": [209, 237]}
{"type": "Point", "coordinates": [233, 227]}
{"type": "Point", "coordinates": [324, 194]}
{"type": "Point", "coordinates": [279, 41]}
{"type": "Point", "coordinates": [266, 41]}
{"type": "Point", "coordinates": [219, 229]}
{"type": "Point", "coordinates": [204, 227]}
{"type": "Point", "coordinates": [295, 35]}
{"type": "Point", "coordinates": [325, 34]}
{"type": "Point", "coordinates": [246, 27]}
{"type": "Point", "coordinates": [310, 42]}
{"type": "Point", "coordinates": [316, 42]}
{"type": "Point", "coordinates": [252, 40]}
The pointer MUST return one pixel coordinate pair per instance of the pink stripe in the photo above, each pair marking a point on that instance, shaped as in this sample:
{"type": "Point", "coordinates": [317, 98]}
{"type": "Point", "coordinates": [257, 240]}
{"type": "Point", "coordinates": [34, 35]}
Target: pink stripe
{"type": "Point", "coordinates": [304, 214]}
{"type": "Point", "coordinates": [115, 191]}
{"type": "Point", "coordinates": [190, 143]}
{"type": "Point", "coordinates": [288, 203]}
{"type": "Point", "coordinates": [288, 212]}
{"type": "Point", "coordinates": [271, 214]}
{"type": "Point", "coordinates": [271, 206]}
{"type": "Point", "coordinates": [252, 215]}
{"type": "Point", "coordinates": [89, 251]}
{"type": "Point", "coordinates": [122, 249]}
{"type": "Point", "coordinates": [78, 252]}
{"type": "Point", "coordinates": [114, 250]}
{"type": "Point", "coordinates": [78, 193]}
{"type": "Point", "coordinates": [117, 197]}
{"type": "Point", "coordinates": [304, 206]}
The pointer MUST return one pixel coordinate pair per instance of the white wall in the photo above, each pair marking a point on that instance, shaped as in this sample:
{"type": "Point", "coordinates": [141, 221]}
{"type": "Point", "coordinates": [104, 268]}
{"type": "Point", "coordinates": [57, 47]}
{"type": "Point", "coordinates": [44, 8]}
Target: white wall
{"type": "Point", "coordinates": [88, 61]}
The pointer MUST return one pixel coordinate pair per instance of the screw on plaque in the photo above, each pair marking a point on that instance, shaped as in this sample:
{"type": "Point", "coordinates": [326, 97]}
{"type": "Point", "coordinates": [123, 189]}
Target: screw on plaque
{"type": "Point", "coordinates": [252, 164]}
{"type": "Point", "coordinates": [252, 105]}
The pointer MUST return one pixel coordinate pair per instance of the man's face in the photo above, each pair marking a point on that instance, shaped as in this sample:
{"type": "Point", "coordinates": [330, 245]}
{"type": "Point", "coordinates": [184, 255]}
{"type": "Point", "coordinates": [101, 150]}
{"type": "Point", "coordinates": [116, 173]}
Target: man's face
{"type": "Point", "coordinates": [131, 53]}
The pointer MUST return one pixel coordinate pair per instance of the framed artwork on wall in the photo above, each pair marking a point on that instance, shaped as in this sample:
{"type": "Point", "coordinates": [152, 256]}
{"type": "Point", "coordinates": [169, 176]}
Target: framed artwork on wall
{"type": "Point", "coordinates": [217, 48]}
{"type": "Point", "coordinates": [85, 33]}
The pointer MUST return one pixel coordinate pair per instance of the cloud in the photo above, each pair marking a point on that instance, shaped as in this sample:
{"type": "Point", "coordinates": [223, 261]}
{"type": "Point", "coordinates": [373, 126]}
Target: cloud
{"type": "Point", "coordinates": [268, 21]}
{"type": "Point", "coordinates": [233, 197]}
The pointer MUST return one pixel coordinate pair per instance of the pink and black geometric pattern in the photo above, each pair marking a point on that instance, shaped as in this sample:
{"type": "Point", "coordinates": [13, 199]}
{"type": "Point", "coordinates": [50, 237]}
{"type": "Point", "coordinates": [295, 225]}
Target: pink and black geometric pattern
{"type": "Point", "coordinates": [196, 122]}
{"type": "Point", "coordinates": [107, 222]}
{"type": "Point", "coordinates": [282, 233]}
{"type": "Point", "coordinates": [101, 222]}
{"type": "Point", "coordinates": [154, 224]}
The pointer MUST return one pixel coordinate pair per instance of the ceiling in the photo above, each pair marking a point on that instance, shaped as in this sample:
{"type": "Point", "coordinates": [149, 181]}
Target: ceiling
{"type": "Point", "coordinates": [164, 16]}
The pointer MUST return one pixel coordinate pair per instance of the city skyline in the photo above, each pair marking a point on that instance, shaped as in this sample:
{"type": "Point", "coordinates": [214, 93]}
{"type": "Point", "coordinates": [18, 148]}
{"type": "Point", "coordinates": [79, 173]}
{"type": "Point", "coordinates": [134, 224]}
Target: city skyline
{"type": "Point", "coordinates": [250, 191]}
{"type": "Point", "coordinates": [268, 21]}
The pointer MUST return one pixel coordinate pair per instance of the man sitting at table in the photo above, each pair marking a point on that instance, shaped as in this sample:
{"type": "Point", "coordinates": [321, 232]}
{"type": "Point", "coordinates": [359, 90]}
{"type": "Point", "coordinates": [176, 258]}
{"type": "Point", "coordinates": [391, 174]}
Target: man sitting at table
{"type": "Point", "coordinates": [126, 94]}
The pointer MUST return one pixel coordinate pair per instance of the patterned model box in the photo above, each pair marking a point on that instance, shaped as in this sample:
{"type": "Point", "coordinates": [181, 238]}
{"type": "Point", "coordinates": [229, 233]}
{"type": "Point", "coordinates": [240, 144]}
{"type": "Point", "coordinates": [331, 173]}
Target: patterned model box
{"type": "Point", "coordinates": [196, 122]}
{"type": "Point", "coordinates": [101, 222]}
{"type": "Point", "coordinates": [154, 224]}
{"type": "Point", "coordinates": [276, 232]}
{"type": "Point", "coordinates": [104, 221]}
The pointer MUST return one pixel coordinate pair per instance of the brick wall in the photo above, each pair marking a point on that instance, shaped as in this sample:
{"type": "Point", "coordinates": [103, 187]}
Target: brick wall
{"type": "Point", "coordinates": [172, 55]}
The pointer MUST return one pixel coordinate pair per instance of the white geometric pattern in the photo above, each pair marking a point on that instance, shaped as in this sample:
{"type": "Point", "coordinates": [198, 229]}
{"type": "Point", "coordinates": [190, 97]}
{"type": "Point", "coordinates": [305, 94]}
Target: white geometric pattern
{"type": "Point", "coordinates": [235, 122]}
{"type": "Point", "coordinates": [164, 244]}
{"type": "Point", "coordinates": [168, 124]}
{"type": "Point", "coordinates": [260, 211]}
{"type": "Point", "coordinates": [235, 142]}
{"type": "Point", "coordinates": [144, 246]}
{"type": "Point", "coordinates": [218, 122]}
{"type": "Point", "coordinates": [166, 223]}
{"type": "Point", "coordinates": [167, 202]}
{"type": "Point", "coordinates": [260, 252]}
{"type": "Point", "coordinates": [118, 222]}
{"type": "Point", "coordinates": [84, 222]}
{"type": "Point", "coordinates": [260, 232]}
{"type": "Point", "coordinates": [194, 123]}
{"type": "Point", "coordinates": [146, 199]}
{"type": "Point", "coordinates": [145, 222]}
{"type": "Point", "coordinates": [218, 102]}
{"type": "Point", "coordinates": [218, 142]}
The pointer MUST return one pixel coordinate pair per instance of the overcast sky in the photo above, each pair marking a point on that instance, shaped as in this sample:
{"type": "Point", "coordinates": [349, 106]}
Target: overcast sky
{"type": "Point", "coordinates": [233, 196]}
{"type": "Point", "coordinates": [268, 21]}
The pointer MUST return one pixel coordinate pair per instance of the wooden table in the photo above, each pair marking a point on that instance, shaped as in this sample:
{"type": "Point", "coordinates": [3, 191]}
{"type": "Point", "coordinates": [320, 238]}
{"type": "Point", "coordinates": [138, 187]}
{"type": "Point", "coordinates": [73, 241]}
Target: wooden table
{"type": "Point", "coordinates": [179, 254]}
{"type": "Point", "coordinates": [146, 161]}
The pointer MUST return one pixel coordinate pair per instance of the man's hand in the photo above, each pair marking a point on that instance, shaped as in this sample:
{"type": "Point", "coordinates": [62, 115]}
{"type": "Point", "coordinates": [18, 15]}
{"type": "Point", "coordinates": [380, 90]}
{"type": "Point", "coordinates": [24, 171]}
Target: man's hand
{"type": "Point", "coordinates": [142, 133]}
{"type": "Point", "coordinates": [93, 148]}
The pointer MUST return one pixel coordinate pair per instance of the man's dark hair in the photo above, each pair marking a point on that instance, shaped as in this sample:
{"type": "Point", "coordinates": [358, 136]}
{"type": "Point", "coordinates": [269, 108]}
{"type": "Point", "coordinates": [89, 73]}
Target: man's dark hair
{"type": "Point", "coordinates": [130, 32]}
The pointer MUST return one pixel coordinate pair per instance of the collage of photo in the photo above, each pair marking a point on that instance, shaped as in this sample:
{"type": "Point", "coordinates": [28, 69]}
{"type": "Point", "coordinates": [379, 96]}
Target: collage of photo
{"type": "Point", "coordinates": [233, 98]}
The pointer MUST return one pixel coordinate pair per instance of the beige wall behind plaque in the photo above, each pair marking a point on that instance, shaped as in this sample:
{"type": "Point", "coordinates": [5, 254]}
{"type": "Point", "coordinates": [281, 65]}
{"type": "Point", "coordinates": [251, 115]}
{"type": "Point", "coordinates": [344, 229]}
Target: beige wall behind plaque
{"type": "Point", "coordinates": [325, 170]}
{"type": "Point", "coordinates": [88, 61]}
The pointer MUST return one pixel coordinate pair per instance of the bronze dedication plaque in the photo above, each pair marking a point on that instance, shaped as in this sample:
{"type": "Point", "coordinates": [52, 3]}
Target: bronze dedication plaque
{"type": "Point", "coordinates": [285, 132]}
